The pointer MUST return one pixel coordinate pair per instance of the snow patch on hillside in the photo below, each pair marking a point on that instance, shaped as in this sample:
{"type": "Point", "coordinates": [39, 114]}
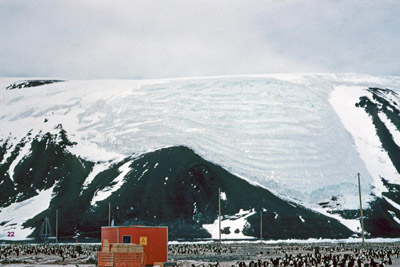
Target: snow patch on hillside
{"type": "Point", "coordinates": [23, 153]}
{"type": "Point", "coordinates": [235, 223]}
{"type": "Point", "coordinates": [93, 152]}
{"type": "Point", "coordinates": [16, 214]}
{"type": "Point", "coordinates": [223, 196]}
{"type": "Point", "coordinates": [353, 224]}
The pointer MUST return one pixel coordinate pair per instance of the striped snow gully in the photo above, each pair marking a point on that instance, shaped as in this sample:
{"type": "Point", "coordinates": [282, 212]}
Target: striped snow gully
{"type": "Point", "coordinates": [391, 202]}
{"type": "Point", "coordinates": [23, 153]}
{"type": "Point", "coordinates": [365, 139]}
{"type": "Point", "coordinates": [10, 149]}
{"type": "Point", "coordinates": [97, 168]}
{"type": "Point", "coordinates": [394, 216]}
{"type": "Point", "coordinates": [391, 127]}
{"type": "Point", "coordinates": [119, 180]}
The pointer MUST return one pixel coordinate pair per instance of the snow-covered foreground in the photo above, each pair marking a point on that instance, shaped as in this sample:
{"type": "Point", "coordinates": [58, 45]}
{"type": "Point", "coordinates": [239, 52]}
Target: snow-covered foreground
{"type": "Point", "coordinates": [289, 133]}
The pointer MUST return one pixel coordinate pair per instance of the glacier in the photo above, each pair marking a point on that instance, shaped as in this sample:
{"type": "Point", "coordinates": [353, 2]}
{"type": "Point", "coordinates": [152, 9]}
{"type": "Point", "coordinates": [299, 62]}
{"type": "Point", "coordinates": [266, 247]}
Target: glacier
{"type": "Point", "coordinates": [298, 135]}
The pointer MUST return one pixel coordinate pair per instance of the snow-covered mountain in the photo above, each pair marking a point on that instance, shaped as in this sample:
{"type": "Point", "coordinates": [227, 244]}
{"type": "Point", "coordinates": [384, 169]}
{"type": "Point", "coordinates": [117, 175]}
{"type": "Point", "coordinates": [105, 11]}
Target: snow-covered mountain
{"type": "Point", "coordinates": [303, 137]}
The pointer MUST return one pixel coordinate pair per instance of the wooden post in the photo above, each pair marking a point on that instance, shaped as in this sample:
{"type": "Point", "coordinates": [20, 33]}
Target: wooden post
{"type": "Point", "coordinates": [219, 213]}
{"type": "Point", "coordinates": [56, 225]}
{"type": "Point", "coordinates": [361, 211]}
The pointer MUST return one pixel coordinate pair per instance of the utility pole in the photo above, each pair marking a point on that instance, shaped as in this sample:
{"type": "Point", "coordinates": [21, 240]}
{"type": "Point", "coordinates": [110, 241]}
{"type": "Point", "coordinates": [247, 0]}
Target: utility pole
{"type": "Point", "coordinates": [56, 225]}
{"type": "Point", "coordinates": [361, 211]}
{"type": "Point", "coordinates": [219, 213]}
{"type": "Point", "coordinates": [261, 224]}
{"type": "Point", "coordinates": [109, 213]}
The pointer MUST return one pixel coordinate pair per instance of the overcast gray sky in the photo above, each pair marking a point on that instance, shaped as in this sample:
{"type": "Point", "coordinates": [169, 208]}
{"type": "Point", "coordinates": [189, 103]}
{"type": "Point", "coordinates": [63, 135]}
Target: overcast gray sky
{"type": "Point", "coordinates": [166, 38]}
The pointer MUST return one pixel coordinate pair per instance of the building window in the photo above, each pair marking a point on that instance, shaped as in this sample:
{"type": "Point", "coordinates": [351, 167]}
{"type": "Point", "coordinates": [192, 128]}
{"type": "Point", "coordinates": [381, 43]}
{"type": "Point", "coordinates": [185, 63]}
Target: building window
{"type": "Point", "coordinates": [126, 239]}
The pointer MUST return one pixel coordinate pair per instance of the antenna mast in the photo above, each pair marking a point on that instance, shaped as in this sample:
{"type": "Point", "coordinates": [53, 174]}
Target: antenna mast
{"type": "Point", "coordinates": [361, 211]}
{"type": "Point", "coordinates": [45, 230]}
{"type": "Point", "coordinates": [109, 213]}
{"type": "Point", "coordinates": [56, 225]}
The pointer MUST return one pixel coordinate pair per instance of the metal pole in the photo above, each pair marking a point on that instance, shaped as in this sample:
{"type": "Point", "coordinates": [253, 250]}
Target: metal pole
{"type": "Point", "coordinates": [109, 213]}
{"type": "Point", "coordinates": [56, 225]}
{"type": "Point", "coordinates": [46, 229]}
{"type": "Point", "coordinates": [219, 213]}
{"type": "Point", "coordinates": [261, 224]}
{"type": "Point", "coordinates": [361, 211]}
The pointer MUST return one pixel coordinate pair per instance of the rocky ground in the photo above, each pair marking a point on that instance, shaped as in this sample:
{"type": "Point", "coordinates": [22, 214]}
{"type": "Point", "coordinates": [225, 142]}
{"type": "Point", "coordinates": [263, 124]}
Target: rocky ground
{"type": "Point", "coordinates": [233, 254]}
{"type": "Point", "coordinates": [236, 253]}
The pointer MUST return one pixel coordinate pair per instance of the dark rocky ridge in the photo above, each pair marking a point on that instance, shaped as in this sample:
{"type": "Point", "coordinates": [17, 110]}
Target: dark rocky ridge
{"type": "Point", "coordinates": [31, 83]}
{"type": "Point", "coordinates": [379, 218]}
{"type": "Point", "coordinates": [184, 201]}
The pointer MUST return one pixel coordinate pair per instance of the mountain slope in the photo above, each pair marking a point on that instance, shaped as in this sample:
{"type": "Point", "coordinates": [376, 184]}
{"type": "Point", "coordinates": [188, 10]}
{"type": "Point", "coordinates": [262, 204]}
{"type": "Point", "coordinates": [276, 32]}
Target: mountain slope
{"type": "Point", "coordinates": [381, 111]}
{"type": "Point", "coordinates": [172, 186]}
{"type": "Point", "coordinates": [302, 137]}
{"type": "Point", "coordinates": [176, 185]}
{"type": "Point", "coordinates": [382, 108]}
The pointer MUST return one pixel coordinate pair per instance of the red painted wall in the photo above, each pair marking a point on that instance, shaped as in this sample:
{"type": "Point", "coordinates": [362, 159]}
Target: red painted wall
{"type": "Point", "coordinates": [109, 233]}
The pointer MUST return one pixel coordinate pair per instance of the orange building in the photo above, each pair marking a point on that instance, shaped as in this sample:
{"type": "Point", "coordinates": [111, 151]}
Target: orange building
{"type": "Point", "coordinates": [152, 240]}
